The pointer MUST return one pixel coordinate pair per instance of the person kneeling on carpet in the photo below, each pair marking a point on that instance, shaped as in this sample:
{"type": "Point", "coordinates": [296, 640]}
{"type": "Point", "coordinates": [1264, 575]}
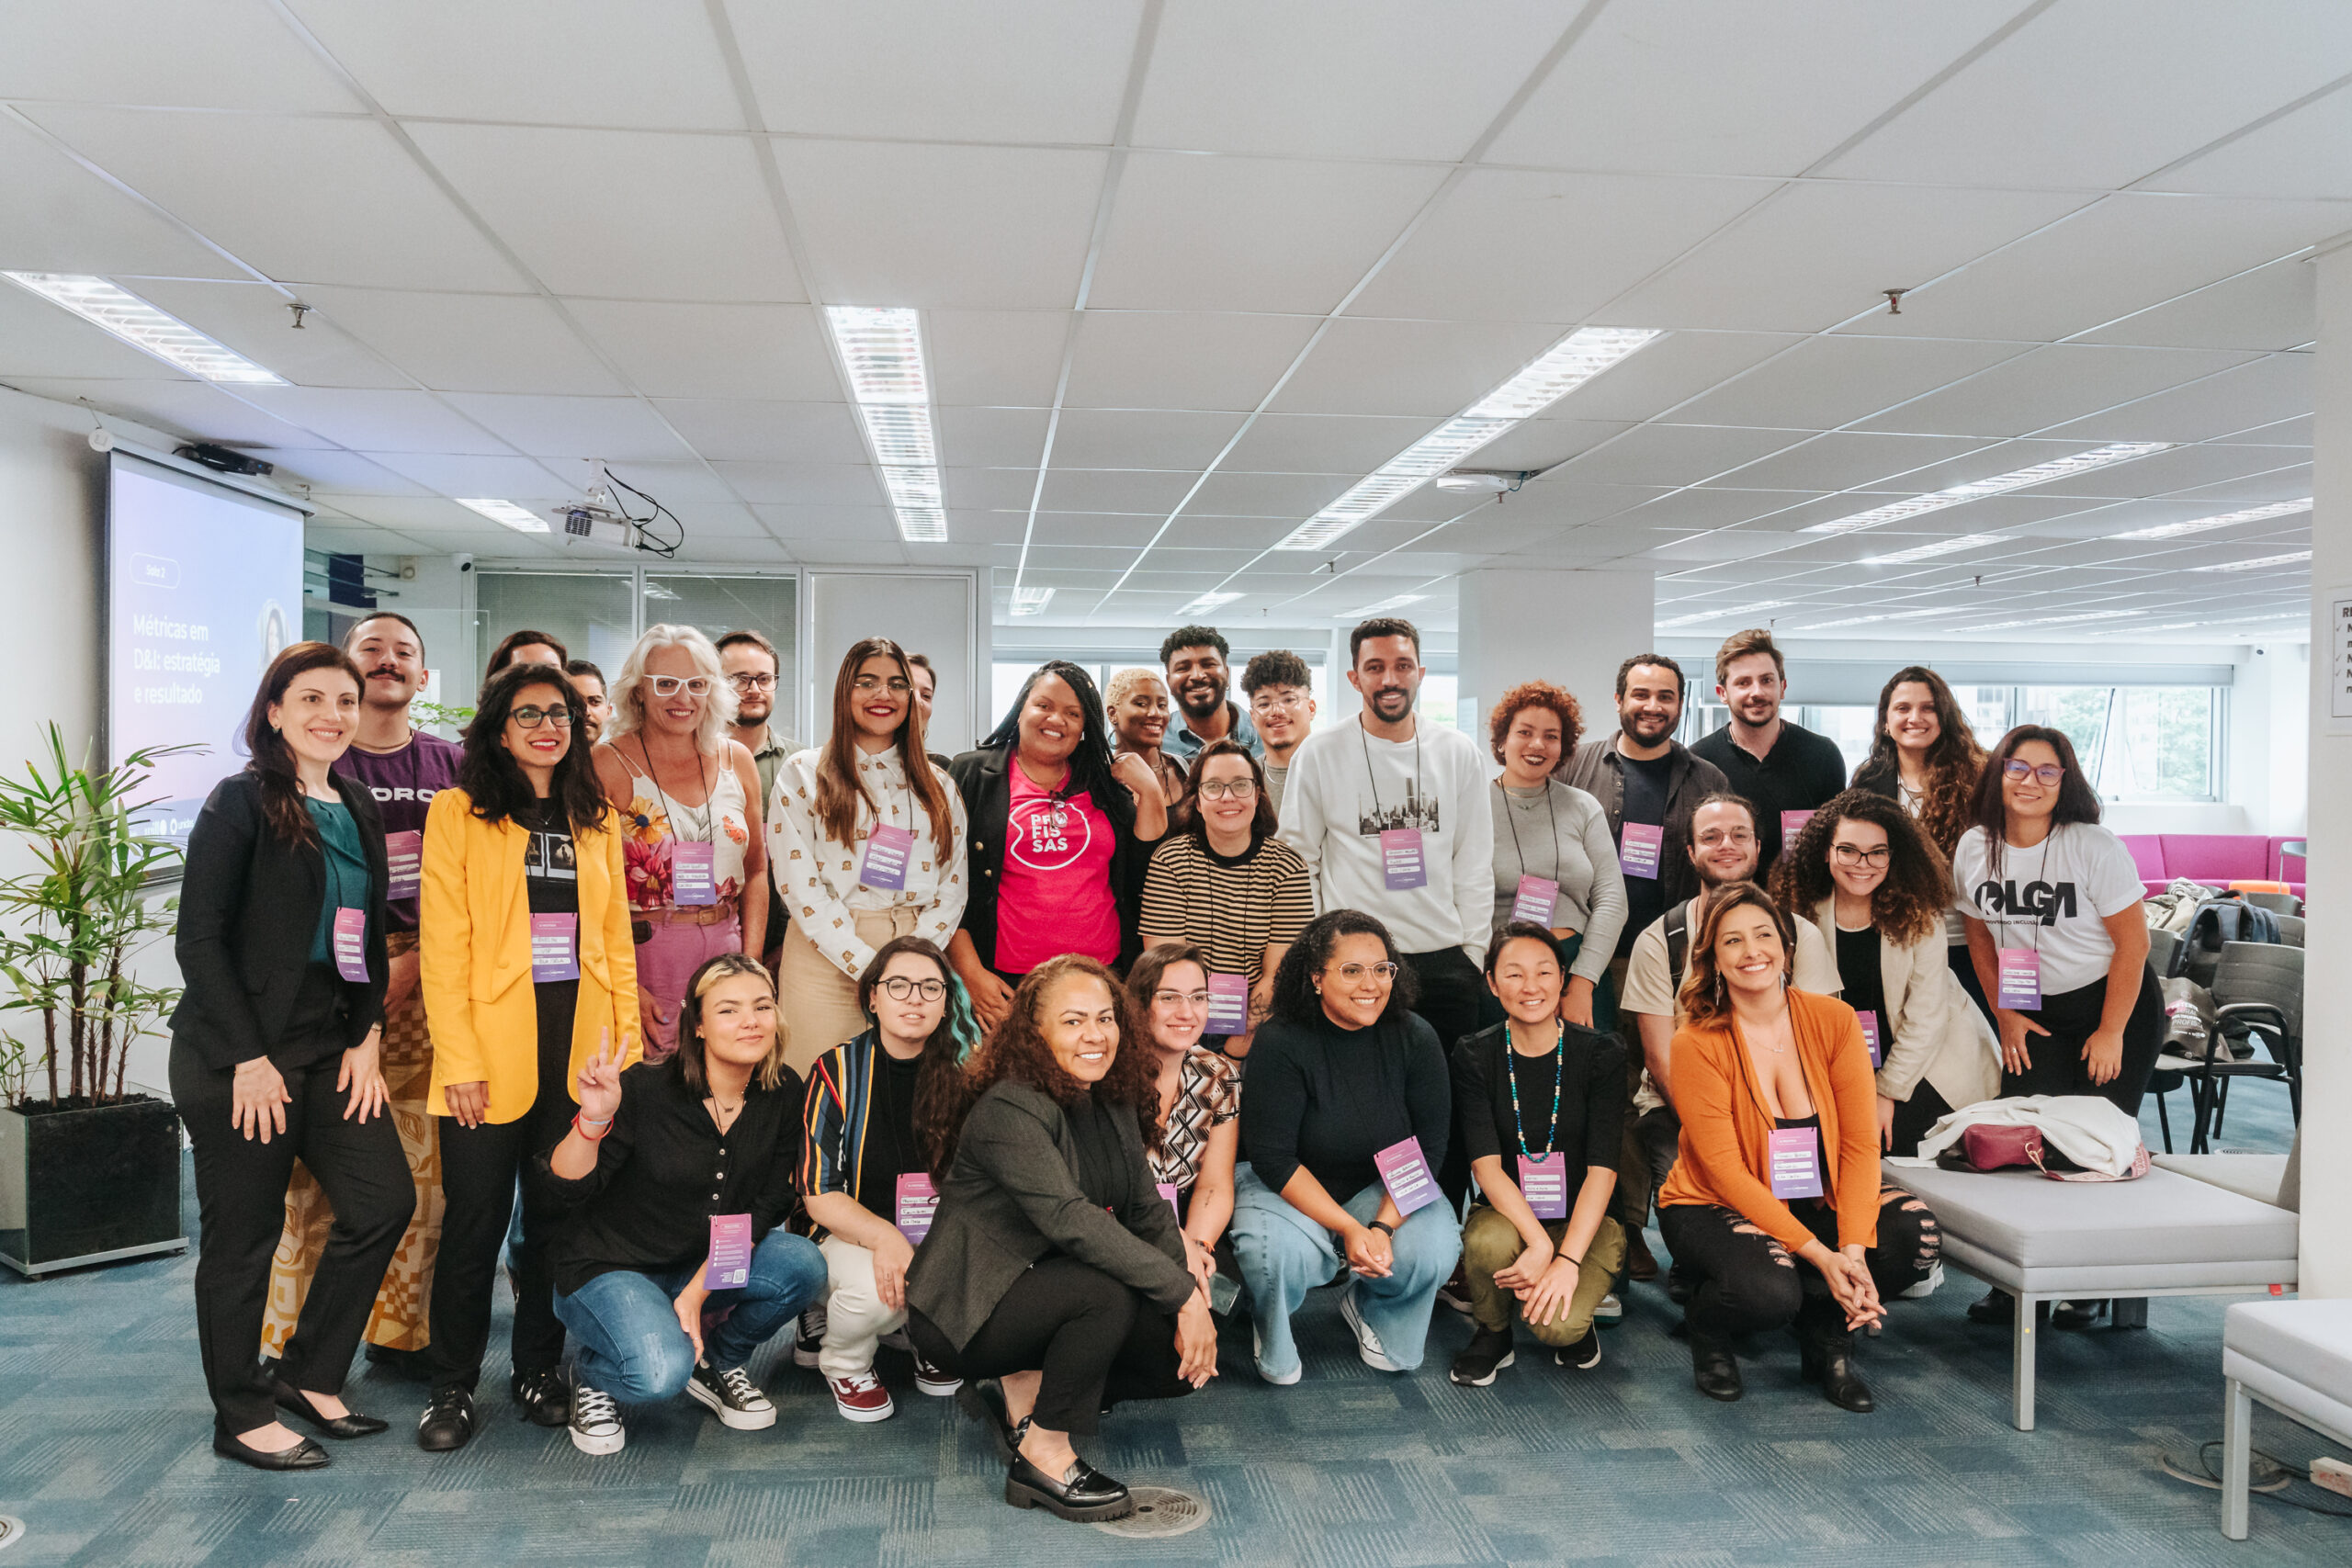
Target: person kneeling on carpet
{"type": "Point", "coordinates": [1053, 1272]}
{"type": "Point", "coordinates": [665, 1288]}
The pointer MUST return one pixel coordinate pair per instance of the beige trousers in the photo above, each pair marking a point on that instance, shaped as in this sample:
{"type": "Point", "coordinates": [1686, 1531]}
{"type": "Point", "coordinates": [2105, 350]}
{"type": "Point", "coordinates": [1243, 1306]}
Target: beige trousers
{"type": "Point", "coordinates": [855, 1318]}
{"type": "Point", "coordinates": [819, 1003]}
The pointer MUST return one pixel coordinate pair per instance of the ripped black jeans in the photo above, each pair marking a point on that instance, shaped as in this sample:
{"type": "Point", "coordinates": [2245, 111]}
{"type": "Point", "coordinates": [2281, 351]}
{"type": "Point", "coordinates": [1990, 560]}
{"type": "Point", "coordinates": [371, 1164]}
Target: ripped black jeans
{"type": "Point", "coordinates": [1748, 1281]}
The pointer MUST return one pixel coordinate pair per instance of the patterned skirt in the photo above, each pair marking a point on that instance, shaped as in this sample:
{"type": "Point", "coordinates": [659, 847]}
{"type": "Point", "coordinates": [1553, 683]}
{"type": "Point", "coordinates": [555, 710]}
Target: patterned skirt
{"type": "Point", "coordinates": [398, 1322]}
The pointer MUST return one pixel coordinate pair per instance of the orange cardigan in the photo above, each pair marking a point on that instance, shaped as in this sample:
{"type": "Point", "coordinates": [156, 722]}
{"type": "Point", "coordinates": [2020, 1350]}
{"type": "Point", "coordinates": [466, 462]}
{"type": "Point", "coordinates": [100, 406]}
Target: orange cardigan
{"type": "Point", "coordinates": [1726, 1126]}
{"type": "Point", "coordinates": [474, 957]}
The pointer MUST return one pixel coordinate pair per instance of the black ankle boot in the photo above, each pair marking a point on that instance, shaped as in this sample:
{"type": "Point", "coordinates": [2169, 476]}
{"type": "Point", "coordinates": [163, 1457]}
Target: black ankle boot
{"type": "Point", "coordinates": [1715, 1369]}
{"type": "Point", "coordinates": [1830, 1363]}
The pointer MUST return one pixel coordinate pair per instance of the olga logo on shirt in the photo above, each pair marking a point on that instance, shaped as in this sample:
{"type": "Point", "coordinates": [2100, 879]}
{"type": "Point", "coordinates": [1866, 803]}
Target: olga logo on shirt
{"type": "Point", "coordinates": [1047, 834]}
{"type": "Point", "coordinates": [2043, 901]}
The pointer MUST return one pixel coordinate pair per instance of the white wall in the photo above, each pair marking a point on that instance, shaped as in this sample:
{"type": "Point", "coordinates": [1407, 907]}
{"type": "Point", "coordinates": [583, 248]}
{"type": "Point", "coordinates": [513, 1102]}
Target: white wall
{"type": "Point", "coordinates": [2326, 1258]}
{"type": "Point", "coordinates": [1572, 628]}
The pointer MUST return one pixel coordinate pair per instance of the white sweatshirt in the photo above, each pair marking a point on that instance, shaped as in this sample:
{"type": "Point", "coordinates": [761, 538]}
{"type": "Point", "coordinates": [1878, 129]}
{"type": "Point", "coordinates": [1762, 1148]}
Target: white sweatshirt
{"type": "Point", "coordinates": [1346, 785]}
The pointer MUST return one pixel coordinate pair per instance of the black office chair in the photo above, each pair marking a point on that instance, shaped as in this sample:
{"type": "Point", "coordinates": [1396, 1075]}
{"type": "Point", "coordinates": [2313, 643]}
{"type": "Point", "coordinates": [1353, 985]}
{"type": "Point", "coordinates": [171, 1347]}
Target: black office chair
{"type": "Point", "coordinates": [2291, 930]}
{"type": "Point", "coordinates": [2258, 998]}
{"type": "Point", "coordinates": [2163, 952]}
{"type": "Point", "coordinates": [2276, 903]}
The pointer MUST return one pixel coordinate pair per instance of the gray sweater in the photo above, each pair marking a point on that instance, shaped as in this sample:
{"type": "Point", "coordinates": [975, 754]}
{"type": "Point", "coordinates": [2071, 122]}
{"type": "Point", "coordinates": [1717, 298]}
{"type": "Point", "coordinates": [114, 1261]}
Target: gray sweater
{"type": "Point", "coordinates": [1563, 835]}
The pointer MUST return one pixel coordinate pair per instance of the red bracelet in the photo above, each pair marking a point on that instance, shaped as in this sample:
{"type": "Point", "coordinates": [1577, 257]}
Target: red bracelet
{"type": "Point", "coordinates": [593, 1137]}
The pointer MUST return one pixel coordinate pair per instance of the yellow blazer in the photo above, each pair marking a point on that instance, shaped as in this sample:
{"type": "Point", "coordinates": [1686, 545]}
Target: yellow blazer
{"type": "Point", "coordinates": [474, 957]}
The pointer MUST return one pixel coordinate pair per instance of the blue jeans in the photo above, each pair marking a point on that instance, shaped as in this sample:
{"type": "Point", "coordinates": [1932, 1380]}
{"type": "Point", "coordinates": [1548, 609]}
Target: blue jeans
{"type": "Point", "coordinates": [1284, 1255]}
{"type": "Point", "coordinates": [627, 1323]}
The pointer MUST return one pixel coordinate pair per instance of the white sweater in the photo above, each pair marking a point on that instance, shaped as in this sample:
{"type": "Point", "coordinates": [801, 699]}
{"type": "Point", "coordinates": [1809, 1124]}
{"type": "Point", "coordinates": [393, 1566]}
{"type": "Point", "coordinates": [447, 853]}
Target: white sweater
{"type": "Point", "coordinates": [1345, 786]}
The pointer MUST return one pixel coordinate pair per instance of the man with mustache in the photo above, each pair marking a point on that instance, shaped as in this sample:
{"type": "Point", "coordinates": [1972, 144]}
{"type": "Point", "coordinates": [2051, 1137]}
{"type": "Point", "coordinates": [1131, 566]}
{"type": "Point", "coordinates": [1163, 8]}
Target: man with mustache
{"type": "Point", "coordinates": [1195, 658]}
{"type": "Point", "coordinates": [1787, 769]}
{"type": "Point", "coordinates": [403, 768]}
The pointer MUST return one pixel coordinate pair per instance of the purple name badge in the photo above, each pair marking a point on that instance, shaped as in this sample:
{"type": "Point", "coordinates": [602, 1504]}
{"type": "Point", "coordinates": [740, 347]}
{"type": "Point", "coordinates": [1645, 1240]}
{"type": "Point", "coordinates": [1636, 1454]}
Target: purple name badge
{"type": "Point", "coordinates": [1168, 1190]}
{"type": "Point", "coordinates": [1538, 897]}
{"type": "Point", "coordinates": [1228, 1005]}
{"type": "Point", "coordinates": [350, 944]}
{"type": "Point", "coordinates": [404, 863]}
{"type": "Point", "coordinates": [731, 1253]}
{"type": "Point", "coordinates": [555, 947]}
{"type": "Point", "coordinates": [1795, 1155]}
{"type": "Point", "coordinates": [1543, 1182]}
{"type": "Point", "coordinates": [1638, 850]}
{"type": "Point", "coordinates": [885, 866]}
{"type": "Point", "coordinates": [694, 874]}
{"type": "Point", "coordinates": [1792, 824]}
{"type": "Point", "coordinates": [917, 1198]}
{"type": "Point", "coordinates": [2021, 979]}
{"type": "Point", "coordinates": [1406, 1174]}
{"type": "Point", "coordinates": [1870, 1037]}
{"type": "Point", "coordinates": [1400, 859]}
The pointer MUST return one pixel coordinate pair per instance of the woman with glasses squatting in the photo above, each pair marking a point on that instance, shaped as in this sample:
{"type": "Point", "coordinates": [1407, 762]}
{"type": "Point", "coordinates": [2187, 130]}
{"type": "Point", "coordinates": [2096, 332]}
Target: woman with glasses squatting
{"type": "Point", "coordinates": [1221, 882]}
{"type": "Point", "coordinates": [689, 802]}
{"type": "Point", "coordinates": [868, 844]}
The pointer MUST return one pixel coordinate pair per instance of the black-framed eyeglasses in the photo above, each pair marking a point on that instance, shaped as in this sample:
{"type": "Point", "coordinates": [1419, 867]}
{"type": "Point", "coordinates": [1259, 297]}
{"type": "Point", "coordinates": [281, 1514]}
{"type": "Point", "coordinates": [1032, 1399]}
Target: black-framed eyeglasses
{"type": "Point", "coordinates": [1851, 855]}
{"type": "Point", "coordinates": [2018, 771]}
{"type": "Point", "coordinates": [744, 680]}
{"type": "Point", "coordinates": [898, 988]}
{"type": "Point", "coordinates": [532, 717]}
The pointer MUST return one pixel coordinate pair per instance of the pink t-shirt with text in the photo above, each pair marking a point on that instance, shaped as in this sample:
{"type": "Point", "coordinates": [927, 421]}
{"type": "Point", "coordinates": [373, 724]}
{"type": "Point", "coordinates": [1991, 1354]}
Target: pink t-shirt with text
{"type": "Point", "coordinates": [1054, 895]}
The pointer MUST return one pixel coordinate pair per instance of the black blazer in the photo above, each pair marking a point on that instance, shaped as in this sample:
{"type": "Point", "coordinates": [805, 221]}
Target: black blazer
{"type": "Point", "coordinates": [983, 779]}
{"type": "Point", "coordinates": [1012, 1196]}
{"type": "Point", "coordinates": [249, 906]}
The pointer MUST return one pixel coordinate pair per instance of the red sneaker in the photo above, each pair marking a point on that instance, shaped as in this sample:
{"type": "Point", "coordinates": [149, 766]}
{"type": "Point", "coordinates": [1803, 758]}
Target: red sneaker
{"type": "Point", "coordinates": [861, 1397]}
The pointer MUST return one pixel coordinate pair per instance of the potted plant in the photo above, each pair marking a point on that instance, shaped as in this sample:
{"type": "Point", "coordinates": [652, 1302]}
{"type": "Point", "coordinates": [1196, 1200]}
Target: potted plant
{"type": "Point", "coordinates": [89, 1162]}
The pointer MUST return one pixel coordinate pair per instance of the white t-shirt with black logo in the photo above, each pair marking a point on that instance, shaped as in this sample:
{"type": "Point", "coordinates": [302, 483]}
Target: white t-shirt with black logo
{"type": "Point", "coordinates": [2053, 899]}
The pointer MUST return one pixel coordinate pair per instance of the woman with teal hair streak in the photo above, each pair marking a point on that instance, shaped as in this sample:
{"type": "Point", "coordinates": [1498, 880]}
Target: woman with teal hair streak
{"type": "Point", "coordinates": [880, 1117]}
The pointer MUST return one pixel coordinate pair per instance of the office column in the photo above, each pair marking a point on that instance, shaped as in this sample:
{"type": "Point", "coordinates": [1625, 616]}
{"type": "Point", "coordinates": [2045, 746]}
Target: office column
{"type": "Point", "coordinates": [2327, 986]}
{"type": "Point", "coordinates": [1572, 628]}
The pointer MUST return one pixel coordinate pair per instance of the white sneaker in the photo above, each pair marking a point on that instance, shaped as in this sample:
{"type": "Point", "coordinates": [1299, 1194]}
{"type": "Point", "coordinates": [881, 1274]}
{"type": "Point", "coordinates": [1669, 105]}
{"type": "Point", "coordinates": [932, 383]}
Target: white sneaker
{"type": "Point", "coordinates": [1926, 1287]}
{"type": "Point", "coordinates": [596, 1421]}
{"type": "Point", "coordinates": [1368, 1344]}
{"type": "Point", "coordinates": [808, 1339]}
{"type": "Point", "coordinates": [1612, 1307]}
{"type": "Point", "coordinates": [732, 1396]}
{"type": "Point", "coordinates": [1258, 1359]}
{"type": "Point", "coordinates": [861, 1397]}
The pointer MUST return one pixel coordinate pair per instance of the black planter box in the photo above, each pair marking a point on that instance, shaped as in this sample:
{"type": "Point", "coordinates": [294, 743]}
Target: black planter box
{"type": "Point", "coordinates": [89, 1185]}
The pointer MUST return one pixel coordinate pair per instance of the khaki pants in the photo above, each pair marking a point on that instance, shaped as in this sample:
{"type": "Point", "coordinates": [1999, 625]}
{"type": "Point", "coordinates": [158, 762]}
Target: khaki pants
{"type": "Point", "coordinates": [855, 1318]}
{"type": "Point", "coordinates": [1490, 1242]}
{"type": "Point", "coordinates": [818, 1002]}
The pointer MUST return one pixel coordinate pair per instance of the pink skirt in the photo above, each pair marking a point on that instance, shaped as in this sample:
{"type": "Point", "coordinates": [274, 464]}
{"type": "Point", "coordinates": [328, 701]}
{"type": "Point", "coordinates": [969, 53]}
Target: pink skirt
{"type": "Point", "coordinates": [666, 961]}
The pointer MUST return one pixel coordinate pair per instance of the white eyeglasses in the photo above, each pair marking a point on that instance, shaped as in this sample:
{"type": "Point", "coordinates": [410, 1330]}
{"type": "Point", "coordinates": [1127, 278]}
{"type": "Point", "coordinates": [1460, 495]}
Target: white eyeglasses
{"type": "Point", "coordinates": [669, 685]}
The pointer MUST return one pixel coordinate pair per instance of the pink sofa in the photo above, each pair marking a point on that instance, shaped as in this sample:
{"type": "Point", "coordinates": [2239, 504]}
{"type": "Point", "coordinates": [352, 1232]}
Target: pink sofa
{"type": "Point", "coordinates": [2216, 858]}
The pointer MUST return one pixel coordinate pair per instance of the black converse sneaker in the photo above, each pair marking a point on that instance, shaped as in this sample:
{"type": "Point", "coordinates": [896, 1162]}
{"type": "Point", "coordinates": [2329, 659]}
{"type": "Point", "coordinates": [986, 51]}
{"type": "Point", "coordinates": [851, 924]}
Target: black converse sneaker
{"type": "Point", "coordinates": [1488, 1352]}
{"type": "Point", "coordinates": [732, 1396]}
{"type": "Point", "coordinates": [808, 1340]}
{"type": "Point", "coordinates": [596, 1421]}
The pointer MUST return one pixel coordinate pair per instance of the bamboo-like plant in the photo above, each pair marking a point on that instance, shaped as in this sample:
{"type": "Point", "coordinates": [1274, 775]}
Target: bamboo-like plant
{"type": "Point", "coordinates": [70, 927]}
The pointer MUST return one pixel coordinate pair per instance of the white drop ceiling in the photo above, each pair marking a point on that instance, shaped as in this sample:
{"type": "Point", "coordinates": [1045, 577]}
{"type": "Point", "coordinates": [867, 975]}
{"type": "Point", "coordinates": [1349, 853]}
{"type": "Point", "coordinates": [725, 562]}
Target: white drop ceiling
{"type": "Point", "coordinates": [1207, 263]}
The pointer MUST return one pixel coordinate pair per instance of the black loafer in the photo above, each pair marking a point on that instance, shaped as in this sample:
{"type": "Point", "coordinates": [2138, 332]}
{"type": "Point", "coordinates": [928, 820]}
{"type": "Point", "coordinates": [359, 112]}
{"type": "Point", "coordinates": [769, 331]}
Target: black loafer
{"type": "Point", "coordinates": [1084, 1494]}
{"type": "Point", "coordinates": [983, 1400]}
{"type": "Point", "coordinates": [447, 1424]}
{"type": "Point", "coordinates": [2078, 1315]}
{"type": "Point", "coordinates": [542, 1398]}
{"type": "Point", "coordinates": [1994, 1306]}
{"type": "Point", "coordinates": [353, 1425]}
{"type": "Point", "coordinates": [1714, 1370]}
{"type": "Point", "coordinates": [304, 1455]}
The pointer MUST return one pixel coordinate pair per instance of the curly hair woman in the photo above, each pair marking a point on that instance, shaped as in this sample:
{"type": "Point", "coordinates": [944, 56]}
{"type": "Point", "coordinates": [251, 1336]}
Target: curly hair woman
{"type": "Point", "coordinates": [1555, 860]}
{"type": "Point", "coordinates": [1778, 1164]}
{"type": "Point", "coordinates": [1864, 873]}
{"type": "Point", "coordinates": [1053, 1272]}
{"type": "Point", "coordinates": [1925, 758]}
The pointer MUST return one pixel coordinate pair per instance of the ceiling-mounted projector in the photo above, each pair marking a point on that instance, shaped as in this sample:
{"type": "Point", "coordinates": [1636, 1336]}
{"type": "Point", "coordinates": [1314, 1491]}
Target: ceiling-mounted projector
{"type": "Point", "coordinates": [1481, 481]}
{"type": "Point", "coordinates": [586, 523]}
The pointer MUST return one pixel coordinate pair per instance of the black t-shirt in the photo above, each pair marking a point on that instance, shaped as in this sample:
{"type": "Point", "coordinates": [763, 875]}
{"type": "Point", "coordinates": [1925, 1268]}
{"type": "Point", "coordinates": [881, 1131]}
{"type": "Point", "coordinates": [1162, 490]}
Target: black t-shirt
{"type": "Point", "coordinates": [1800, 772]}
{"type": "Point", "coordinates": [1865, 990]}
{"type": "Point", "coordinates": [1103, 1173]}
{"type": "Point", "coordinates": [890, 1147]}
{"type": "Point", "coordinates": [551, 865]}
{"type": "Point", "coordinates": [1644, 801]}
{"type": "Point", "coordinates": [1589, 1128]}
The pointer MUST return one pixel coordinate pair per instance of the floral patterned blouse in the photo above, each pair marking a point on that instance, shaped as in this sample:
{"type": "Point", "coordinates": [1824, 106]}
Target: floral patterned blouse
{"type": "Point", "coordinates": [656, 821]}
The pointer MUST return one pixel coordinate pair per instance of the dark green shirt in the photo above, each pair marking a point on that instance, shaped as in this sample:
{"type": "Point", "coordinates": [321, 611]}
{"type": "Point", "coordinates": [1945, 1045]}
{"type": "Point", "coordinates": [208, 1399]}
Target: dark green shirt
{"type": "Point", "coordinates": [346, 870]}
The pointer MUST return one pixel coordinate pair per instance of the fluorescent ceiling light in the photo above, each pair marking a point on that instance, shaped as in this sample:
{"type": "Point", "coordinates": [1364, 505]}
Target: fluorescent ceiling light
{"type": "Point", "coordinates": [1889, 615]}
{"type": "Point", "coordinates": [1941, 547]}
{"type": "Point", "coordinates": [1565, 366]}
{"type": "Point", "coordinates": [521, 519]}
{"type": "Point", "coordinates": [1206, 602]}
{"type": "Point", "coordinates": [1031, 601]}
{"type": "Point", "coordinates": [2040, 473]}
{"type": "Point", "coordinates": [2052, 620]}
{"type": "Point", "coordinates": [1396, 602]}
{"type": "Point", "coordinates": [2199, 526]}
{"type": "Point", "coordinates": [1726, 613]}
{"type": "Point", "coordinates": [881, 348]}
{"type": "Point", "coordinates": [2290, 558]}
{"type": "Point", "coordinates": [145, 328]}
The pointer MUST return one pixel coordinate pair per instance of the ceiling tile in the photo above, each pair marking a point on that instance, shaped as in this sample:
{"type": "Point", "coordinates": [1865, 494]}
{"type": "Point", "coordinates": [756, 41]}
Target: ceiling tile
{"type": "Point", "coordinates": [1825, 382]}
{"type": "Point", "coordinates": [805, 484]}
{"type": "Point", "coordinates": [991, 438]}
{"type": "Point", "coordinates": [2270, 308]}
{"type": "Point", "coordinates": [524, 480]}
{"type": "Point", "coordinates": [766, 433]}
{"type": "Point", "coordinates": [941, 226]}
{"type": "Point", "coordinates": [224, 54]}
{"type": "Point", "coordinates": [1319, 444]}
{"type": "Point", "coordinates": [38, 338]}
{"type": "Point", "coordinates": [2035, 392]}
{"type": "Point", "coordinates": [1002, 358]}
{"type": "Point", "coordinates": [2253, 394]}
{"type": "Point", "coordinates": [1670, 371]}
{"type": "Point", "coordinates": [1849, 461]}
{"type": "Point", "coordinates": [629, 215]}
{"type": "Point", "coordinates": [1118, 438]}
{"type": "Point", "coordinates": [186, 408]}
{"type": "Point", "coordinates": [1152, 494]}
{"type": "Point", "coordinates": [252, 319]}
{"type": "Point", "coordinates": [344, 473]}
{"type": "Point", "coordinates": [1674, 454]}
{"type": "Point", "coordinates": [1542, 443]}
{"type": "Point", "coordinates": [764, 351]}
{"type": "Point", "coordinates": [1337, 78]}
{"type": "Point", "coordinates": [56, 216]}
{"type": "Point", "coordinates": [1722, 86]}
{"type": "Point", "coordinates": [810, 524]}
{"type": "Point", "coordinates": [1293, 496]}
{"type": "Point", "coordinates": [468, 342]}
{"type": "Point", "coordinates": [1141, 360]}
{"type": "Point", "coordinates": [614, 428]}
{"type": "Point", "coordinates": [310, 201]}
{"type": "Point", "coordinates": [1216, 233]}
{"type": "Point", "coordinates": [2307, 153]}
{"type": "Point", "coordinates": [1432, 369]}
{"type": "Point", "coordinates": [642, 63]}
{"type": "Point", "coordinates": [1010, 71]}
{"type": "Point", "coordinates": [990, 490]}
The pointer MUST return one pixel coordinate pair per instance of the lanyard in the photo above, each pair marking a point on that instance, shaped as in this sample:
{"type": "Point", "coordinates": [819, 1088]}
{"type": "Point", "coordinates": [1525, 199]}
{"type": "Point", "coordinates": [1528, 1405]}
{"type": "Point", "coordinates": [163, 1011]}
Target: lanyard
{"type": "Point", "coordinates": [669, 810]}
{"type": "Point", "coordinates": [1552, 808]}
{"type": "Point", "coordinates": [1372, 779]}
{"type": "Point", "coordinates": [1511, 1074]}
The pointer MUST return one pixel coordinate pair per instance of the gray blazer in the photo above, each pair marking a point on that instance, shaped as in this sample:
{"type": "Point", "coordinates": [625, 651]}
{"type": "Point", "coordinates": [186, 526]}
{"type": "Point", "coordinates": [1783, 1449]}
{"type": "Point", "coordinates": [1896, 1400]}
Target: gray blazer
{"type": "Point", "coordinates": [1012, 1198]}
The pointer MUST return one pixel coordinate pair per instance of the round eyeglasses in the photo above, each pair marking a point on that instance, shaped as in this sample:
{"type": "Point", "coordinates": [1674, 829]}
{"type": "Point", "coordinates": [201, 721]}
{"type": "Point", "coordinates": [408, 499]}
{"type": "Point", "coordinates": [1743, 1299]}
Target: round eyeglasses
{"type": "Point", "coordinates": [898, 988]}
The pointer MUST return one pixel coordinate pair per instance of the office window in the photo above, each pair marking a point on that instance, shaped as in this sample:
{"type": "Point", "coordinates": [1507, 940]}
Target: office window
{"type": "Point", "coordinates": [717, 606]}
{"type": "Point", "coordinates": [2136, 742]}
{"type": "Point", "coordinates": [594, 613]}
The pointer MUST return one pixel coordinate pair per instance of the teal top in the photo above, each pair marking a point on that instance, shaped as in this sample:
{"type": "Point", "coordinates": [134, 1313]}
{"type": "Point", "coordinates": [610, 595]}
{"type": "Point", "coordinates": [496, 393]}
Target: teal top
{"type": "Point", "coordinates": [346, 871]}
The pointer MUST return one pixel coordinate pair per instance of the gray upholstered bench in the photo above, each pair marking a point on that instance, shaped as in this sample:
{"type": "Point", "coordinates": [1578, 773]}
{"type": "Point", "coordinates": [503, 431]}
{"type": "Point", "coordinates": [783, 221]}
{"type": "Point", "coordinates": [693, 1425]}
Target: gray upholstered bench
{"type": "Point", "coordinates": [2039, 1240]}
{"type": "Point", "coordinates": [2295, 1356]}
